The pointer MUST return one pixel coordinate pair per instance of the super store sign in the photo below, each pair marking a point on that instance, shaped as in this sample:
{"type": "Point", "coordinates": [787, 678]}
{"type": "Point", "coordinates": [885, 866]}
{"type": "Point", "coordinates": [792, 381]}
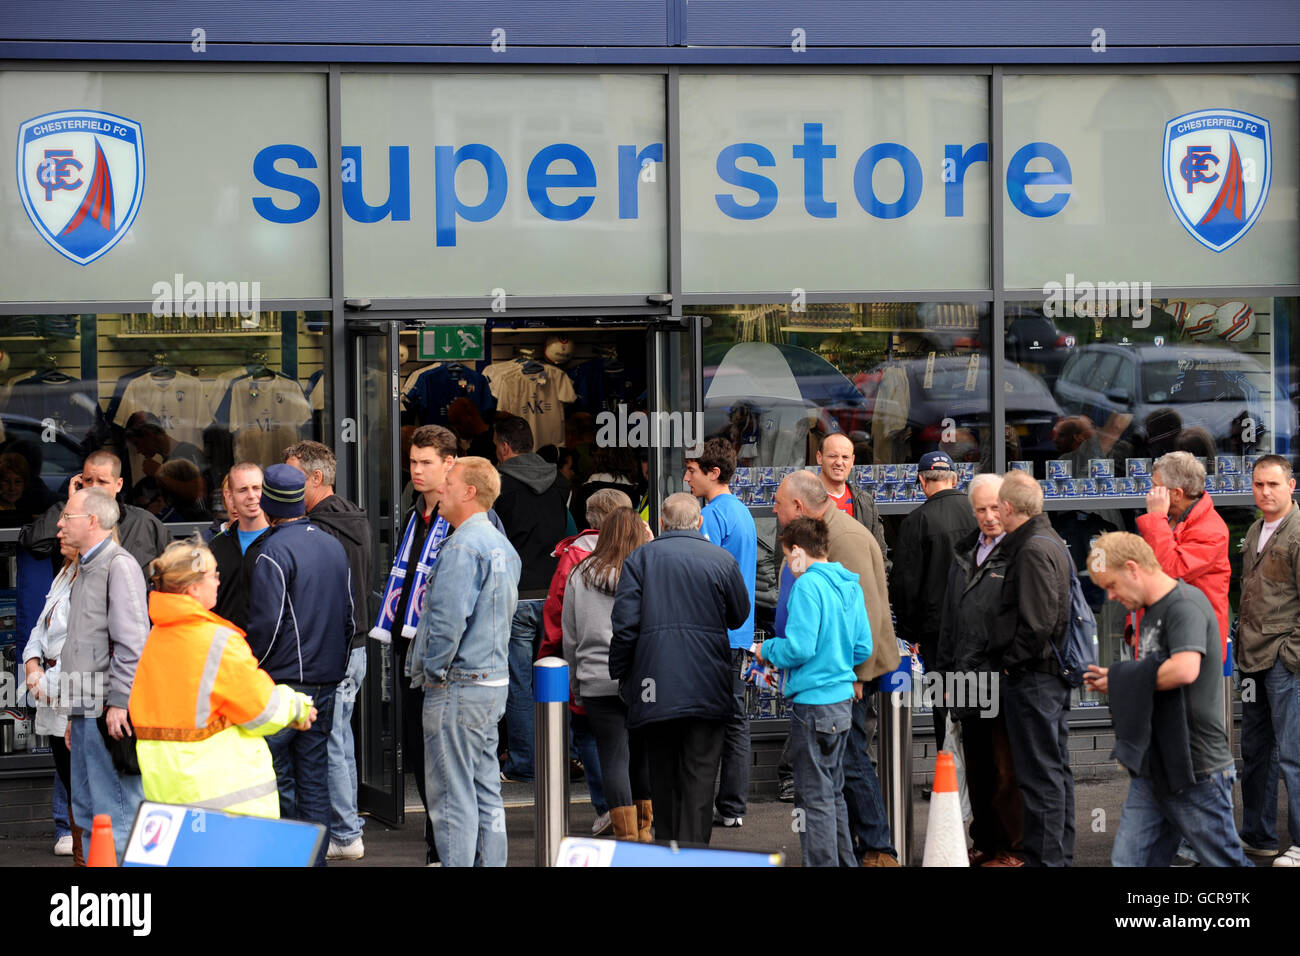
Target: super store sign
{"type": "Point", "coordinates": [563, 182]}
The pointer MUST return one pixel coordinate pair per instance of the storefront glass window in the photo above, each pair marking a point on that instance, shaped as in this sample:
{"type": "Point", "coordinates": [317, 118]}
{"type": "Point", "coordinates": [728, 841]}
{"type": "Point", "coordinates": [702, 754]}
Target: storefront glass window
{"type": "Point", "coordinates": [899, 379]}
{"type": "Point", "coordinates": [834, 182]}
{"type": "Point", "coordinates": [131, 184]}
{"type": "Point", "coordinates": [1179, 179]}
{"type": "Point", "coordinates": [178, 399]}
{"type": "Point", "coordinates": [476, 185]}
{"type": "Point", "coordinates": [1215, 376]}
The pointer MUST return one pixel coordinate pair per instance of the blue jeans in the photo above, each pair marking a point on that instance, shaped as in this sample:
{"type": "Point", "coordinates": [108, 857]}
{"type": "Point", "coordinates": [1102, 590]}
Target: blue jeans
{"type": "Point", "coordinates": [462, 775]}
{"type": "Point", "coordinates": [1152, 824]}
{"type": "Point", "coordinates": [525, 631]}
{"type": "Point", "coordinates": [97, 787]}
{"type": "Point", "coordinates": [868, 822]}
{"type": "Point", "coordinates": [583, 742]}
{"type": "Point", "coordinates": [733, 786]}
{"type": "Point", "coordinates": [1270, 740]}
{"type": "Point", "coordinates": [819, 734]}
{"type": "Point", "coordinates": [59, 809]}
{"type": "Point", "coordinates": [302, 766]}
{"type": "Point", "coordinates": [345, 823]}
{"type": "Point", "coordinates": [1037, 706]}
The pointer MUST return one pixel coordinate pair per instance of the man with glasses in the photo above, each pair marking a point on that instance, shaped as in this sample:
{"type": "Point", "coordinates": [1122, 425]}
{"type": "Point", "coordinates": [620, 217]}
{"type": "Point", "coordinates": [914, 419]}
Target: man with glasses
{"type": "Point", "coordinates": [139, 531]}
{"type": "Point", "coordinates": [108, 621]}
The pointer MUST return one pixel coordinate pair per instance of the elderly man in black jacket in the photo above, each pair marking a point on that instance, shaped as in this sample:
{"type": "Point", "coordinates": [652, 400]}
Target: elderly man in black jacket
{"type": "Point", "coordinates": [979, 568]}
{"type": "Point", "coordinates": [677, 597]}
{"type": "Point", "coordinates": [1031, 621]}
{"type": "Point", "coordinates": [923, 558]}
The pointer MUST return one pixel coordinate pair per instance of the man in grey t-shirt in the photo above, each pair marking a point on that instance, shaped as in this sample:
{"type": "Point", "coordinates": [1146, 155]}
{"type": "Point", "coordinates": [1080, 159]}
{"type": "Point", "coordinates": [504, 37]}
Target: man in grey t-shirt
{"type": "Point", "coordinates": [1179, 626]}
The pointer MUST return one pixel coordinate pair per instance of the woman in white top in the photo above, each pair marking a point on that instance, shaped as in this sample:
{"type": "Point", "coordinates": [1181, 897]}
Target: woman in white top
{"type": "Point", "coordinates": [41, 661]}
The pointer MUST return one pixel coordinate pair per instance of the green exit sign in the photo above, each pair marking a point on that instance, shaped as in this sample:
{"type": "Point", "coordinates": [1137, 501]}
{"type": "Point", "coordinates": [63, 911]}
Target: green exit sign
{"type": "Point", "coordinates": [452, 343]}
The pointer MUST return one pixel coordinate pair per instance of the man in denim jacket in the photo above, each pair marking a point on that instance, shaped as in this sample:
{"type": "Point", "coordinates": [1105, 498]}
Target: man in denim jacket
{"type": "Point", "coordinates": [460, 657]}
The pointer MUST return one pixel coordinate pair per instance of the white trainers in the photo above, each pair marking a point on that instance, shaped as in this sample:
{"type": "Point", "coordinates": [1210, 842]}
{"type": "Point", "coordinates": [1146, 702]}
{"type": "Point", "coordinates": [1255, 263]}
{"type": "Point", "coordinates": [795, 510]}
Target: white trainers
{"type": "Point", "coordinates": [63, 845]}
{"type": "Point", "coordinates": [603, 823]}
{"type": "Point", "coordinates": [349, 851]}
{"type": "Point", "coordinates": [1290, 858]}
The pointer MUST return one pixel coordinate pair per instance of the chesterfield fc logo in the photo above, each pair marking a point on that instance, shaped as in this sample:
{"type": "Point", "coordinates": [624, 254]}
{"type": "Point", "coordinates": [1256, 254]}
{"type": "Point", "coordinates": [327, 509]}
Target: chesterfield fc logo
{"type": "Point", "coordinates": [81, 176]}
{"type": "Point", "coordinates": [1217, 165]}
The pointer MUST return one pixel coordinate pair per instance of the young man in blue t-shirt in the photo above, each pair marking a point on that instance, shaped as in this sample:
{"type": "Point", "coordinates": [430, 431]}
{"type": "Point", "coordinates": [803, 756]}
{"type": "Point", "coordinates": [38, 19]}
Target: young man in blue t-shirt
{"type": "Point", "coordinates": [728, 524]}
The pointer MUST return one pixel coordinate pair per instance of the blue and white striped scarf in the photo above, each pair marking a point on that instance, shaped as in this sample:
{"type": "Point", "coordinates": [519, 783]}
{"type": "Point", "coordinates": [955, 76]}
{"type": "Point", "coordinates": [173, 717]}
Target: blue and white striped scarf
{"type": "Point", "coordinates": [383, 629]}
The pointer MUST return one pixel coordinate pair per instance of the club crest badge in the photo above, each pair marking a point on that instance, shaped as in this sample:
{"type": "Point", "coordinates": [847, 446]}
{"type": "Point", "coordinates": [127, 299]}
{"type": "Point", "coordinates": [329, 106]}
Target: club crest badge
{"type": "Point", "coordinates": [81, 178]}
{"type": "Point", "coordinates": [1217, 165]}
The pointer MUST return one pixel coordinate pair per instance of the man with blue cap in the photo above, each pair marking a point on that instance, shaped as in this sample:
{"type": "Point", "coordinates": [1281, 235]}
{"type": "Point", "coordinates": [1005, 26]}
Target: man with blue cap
{"type": "Point", "coordinates": [300, 623]}
{"type": "Point", "coordinates": [927, 539]}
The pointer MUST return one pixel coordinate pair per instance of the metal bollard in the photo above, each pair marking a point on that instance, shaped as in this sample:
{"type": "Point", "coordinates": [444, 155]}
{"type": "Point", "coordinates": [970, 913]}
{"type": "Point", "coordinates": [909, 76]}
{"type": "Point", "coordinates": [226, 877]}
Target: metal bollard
{"type": "Point", "coordinates": [551, 755]}
{"type": "Point", "coordinates": [895, 764]}
{"type": "Point", "coordinates": [1227, 690]}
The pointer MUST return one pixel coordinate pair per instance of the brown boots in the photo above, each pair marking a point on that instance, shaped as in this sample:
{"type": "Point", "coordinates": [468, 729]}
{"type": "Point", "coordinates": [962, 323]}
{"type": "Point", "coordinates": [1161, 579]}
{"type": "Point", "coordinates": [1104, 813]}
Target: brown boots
{"type": "Point", "coordinates": [624, 820]}
{"type": "Point", "coordinates": [644, 817]}
{"type": "Point", "coordinates": [78, 857]}
{"type": "Point", "coordinates": [633, 823]}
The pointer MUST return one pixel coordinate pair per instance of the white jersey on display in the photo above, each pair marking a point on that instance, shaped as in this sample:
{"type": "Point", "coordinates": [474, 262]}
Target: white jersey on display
{"type": "Point", "coordinates": [176, 401]}
{"type": "Point", "coordinates": [536, 397]}
{"type": "Point", "coordinates": [264, 415]}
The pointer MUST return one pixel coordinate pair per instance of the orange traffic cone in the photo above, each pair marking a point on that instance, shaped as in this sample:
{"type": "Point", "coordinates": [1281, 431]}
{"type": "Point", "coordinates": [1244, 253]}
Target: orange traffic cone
{"type": "Point", "coordinates": [103, 851]}
{"type": "Point", "coordinates": [945, 839]}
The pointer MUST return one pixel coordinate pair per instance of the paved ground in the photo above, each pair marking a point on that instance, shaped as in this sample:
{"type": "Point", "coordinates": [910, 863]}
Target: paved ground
{"type": "Point", "coordinates": [767, 828]}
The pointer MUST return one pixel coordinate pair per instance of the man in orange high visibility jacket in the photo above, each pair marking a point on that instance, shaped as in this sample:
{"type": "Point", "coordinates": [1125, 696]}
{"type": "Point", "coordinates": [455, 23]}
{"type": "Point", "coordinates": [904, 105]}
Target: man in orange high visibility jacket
{"type": "Point", "coordinates": [200, 704]}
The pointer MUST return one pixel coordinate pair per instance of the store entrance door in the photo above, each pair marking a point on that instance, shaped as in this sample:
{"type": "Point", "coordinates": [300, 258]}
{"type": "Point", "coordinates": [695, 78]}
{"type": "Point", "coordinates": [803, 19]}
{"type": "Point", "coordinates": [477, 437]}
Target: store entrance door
{"type": "Point", "coordinates": [374, 440]}
{"type": "Point", "coordinates": [589, 368]}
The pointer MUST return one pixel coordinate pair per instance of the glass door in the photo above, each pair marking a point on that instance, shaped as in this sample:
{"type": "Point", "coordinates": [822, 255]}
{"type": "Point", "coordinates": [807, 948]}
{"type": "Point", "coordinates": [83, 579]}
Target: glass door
{"type": "Point", "coordinates": [676, 389]}
{"type": "Point", "coordinates": [374, 391]}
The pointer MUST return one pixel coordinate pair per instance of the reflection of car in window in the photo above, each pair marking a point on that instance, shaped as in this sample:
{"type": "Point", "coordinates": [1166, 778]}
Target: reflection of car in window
{"type": "Point", "coordinates": [1032, 341]}
{"type": "Point", "coordinates": [767, 397]}
{"type": "Point", "coordinates": [60, 456]}
{"type": "Point", "coordinates": [955, 388]}
{"type": "Point", "coordinates": [1196, 387]}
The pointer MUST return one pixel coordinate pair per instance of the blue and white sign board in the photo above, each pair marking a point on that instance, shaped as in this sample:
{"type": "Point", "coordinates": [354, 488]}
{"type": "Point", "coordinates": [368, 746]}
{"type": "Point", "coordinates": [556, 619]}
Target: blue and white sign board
{"type": "Point", "coordinates": [168, 835]}
{"type": "Point", "coordinates": [578, 852]}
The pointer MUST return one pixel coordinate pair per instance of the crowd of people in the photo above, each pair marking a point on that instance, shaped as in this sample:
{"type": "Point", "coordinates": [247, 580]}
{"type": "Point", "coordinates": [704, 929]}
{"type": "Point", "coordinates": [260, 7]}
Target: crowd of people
{"type": "Point", "coordinates": [230, 668]}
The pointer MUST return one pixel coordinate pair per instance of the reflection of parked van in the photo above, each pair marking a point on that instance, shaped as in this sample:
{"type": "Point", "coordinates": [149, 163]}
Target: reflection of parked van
{"type": "Point", "coordinates": [1208, 387]}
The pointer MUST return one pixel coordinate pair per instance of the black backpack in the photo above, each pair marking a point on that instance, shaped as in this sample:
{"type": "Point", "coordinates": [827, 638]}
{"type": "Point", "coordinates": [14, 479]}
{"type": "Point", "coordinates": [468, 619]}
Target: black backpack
{"type": "Point", "coordinates": [1080, 645]}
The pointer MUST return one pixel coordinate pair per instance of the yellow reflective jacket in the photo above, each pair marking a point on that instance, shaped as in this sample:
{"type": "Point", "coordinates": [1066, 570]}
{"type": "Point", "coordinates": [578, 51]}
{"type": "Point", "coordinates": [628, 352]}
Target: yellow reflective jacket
{"type": "Point", "coordinates": [200, 707]}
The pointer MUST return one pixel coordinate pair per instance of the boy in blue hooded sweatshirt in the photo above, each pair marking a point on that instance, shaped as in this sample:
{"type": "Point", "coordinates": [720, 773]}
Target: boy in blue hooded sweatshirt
{"type": "Point", "coordinates": [826, 635]}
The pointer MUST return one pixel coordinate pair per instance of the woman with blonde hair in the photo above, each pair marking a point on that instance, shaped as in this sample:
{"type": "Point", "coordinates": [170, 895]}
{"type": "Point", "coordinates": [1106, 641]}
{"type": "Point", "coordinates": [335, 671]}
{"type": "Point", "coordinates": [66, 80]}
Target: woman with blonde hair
{"type": "Point", "coordinates": [200, 705]}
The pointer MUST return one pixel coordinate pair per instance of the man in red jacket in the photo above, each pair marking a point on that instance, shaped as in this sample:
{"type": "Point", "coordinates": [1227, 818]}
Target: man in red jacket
{"type": "Point", "coordinates": [1186, 533]}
